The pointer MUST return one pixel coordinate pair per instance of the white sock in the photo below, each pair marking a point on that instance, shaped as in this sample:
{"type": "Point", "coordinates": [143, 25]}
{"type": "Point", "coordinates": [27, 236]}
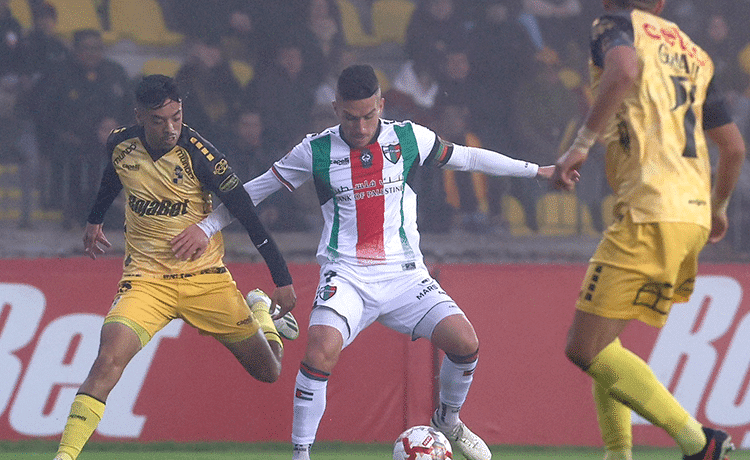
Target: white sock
{"type": "Point", "coordinates": [309, 405]}
{"type": "Point", "coordinates": [455, 381]}
{"type": "Point", "coordinates": [301, 452]}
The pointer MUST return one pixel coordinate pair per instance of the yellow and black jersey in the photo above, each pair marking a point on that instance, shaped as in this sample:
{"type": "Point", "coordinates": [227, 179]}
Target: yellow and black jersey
{"type": "Point", "coordinates": [165, 192]}
{"type": "Point", "coordinates": [657, 158]}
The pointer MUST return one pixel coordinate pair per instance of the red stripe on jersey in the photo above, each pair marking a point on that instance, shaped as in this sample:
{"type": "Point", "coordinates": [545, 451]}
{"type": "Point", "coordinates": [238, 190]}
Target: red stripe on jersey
{"type": "Point", "coordinates": [286, 183]}
{"type": "Point", "coordinates": [367, 176]}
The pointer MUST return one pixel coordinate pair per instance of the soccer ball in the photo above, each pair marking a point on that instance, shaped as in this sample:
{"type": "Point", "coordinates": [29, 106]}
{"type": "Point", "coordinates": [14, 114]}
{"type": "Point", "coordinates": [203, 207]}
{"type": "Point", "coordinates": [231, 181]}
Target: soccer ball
{"type": "Point", "coordinates": [422, 443]}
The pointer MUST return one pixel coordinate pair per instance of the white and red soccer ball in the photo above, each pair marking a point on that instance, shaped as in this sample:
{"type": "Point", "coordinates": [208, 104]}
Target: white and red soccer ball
{"type": "Point", "coordinates": [422, 443]}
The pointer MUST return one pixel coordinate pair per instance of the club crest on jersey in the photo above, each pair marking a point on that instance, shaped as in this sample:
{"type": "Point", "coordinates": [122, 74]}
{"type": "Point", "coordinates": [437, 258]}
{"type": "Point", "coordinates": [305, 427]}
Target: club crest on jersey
{"type": "Point", "coordinates": [365, 157]}
{"type": "Point", "coordinates": [392, 153]}
{"type": "Point", "coordinates": [326, 292]}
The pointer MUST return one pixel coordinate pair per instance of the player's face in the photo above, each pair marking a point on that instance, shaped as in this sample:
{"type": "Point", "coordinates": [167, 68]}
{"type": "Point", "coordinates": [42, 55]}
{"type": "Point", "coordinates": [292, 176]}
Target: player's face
{"type": "Point", "coordinates": [163, 125]}
{"type": "Point", "coordinates": [359, 119]}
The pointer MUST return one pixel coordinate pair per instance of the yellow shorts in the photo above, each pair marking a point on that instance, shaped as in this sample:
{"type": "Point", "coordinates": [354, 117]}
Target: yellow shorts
{"type": "Point", "coordinates": [209, 302]}
{"type": "Point", "coordinates": [639, 270]}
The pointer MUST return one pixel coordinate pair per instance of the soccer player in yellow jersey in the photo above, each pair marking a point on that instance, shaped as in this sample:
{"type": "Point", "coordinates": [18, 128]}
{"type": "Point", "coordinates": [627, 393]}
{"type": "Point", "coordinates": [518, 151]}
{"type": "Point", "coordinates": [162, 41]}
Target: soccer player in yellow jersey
{"type": "Point", "coordinates": [655, 104]}
{"type": "Point", "coordinates": [166, 171]}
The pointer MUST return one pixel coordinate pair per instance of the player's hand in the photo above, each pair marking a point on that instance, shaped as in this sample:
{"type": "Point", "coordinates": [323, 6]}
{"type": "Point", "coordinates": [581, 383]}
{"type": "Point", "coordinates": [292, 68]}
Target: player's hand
{"type": "Point", "coordinates": [719, 225]}
{"type": "Point", "coordinates": [566, 172]}
{"type": "Point", "coordinates": [190, 244]}
{"type": "Point", "coordinates": [92, 236]}
{"type": "Point", "coordinates": [285, 298]}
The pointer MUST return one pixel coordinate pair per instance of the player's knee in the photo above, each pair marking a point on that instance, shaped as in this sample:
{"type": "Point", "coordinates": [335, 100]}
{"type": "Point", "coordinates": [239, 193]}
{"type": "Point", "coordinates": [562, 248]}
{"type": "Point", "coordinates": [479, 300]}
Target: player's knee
{"type": "Point", "coordinates": [577, 356]}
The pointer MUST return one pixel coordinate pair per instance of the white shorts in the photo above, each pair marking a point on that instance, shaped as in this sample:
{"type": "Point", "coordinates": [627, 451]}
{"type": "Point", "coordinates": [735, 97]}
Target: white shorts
{"type": "Point", "coordinates": [412, 304]}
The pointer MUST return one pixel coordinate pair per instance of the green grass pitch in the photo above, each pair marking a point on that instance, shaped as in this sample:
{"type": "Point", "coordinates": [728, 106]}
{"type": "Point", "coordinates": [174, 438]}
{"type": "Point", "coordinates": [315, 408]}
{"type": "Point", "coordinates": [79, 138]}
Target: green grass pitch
{"type": "Point", "coordinates": [321, 451]}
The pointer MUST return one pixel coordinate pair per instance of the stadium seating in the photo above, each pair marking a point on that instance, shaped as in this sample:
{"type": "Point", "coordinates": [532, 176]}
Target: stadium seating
{"type": "Point", "coordinates": [141, 21]}
{"type": "Point", "coordinates": [22, 12]}
{"type": "Point", "coordinates": [354, 34]}
{"type": "Point", "coordinates": [390, 19]}
{"type": "Point", "coordinates": [514, 216]}
{"type": "Point", "coordinates": [242, 71]}
{"type": "Point", "coordinates": [74, 15]}
{"type": "Point", "coordinates": [562, 214]}
{"type": "Point", "coordinates": [163, 66]}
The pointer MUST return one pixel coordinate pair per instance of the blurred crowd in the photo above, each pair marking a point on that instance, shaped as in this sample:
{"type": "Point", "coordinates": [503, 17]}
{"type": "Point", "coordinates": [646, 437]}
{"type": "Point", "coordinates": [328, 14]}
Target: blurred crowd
{"type": "Point", "coordinates": [509, 75]}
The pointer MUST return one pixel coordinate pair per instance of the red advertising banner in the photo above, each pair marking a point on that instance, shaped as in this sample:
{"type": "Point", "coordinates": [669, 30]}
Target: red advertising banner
{"type": "Point", "coordinates": [187, 387]}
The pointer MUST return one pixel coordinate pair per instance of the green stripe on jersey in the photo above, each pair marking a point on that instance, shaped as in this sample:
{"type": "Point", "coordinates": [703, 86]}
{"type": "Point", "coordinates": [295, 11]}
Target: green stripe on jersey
{"type": "Point", "coordinates": [410, 154]}
{"type": "Point", "coordinates": [321, 153]}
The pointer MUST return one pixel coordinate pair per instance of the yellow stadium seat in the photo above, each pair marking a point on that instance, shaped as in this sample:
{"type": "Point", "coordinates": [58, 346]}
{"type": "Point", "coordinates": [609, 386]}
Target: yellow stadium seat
{"type": "Point", "coordinates": [141, 21]}
{"type": "Point", "coordinates": [354, 33]}
{"type": "Point", "coordinates": [562, 214]}
{"type": "Point", "coordinates": [242, 71]}
{"type": "Point", "coordinates": [390, 19]}
{"type": "Point", "coordinates": [385, 82]}
{"type": "Point", "coordinates": [515, 216]}
{"type": "Point", "coordinates": [163, 66]}
{"type": "Point", "coordinates": [75, 15]}
{"type": "Point", "coordinates": [22, 12]}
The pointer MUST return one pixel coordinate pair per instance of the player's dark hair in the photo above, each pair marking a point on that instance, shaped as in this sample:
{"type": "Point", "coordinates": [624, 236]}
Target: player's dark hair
{"type": "Point", "coordinates": [646, 5]}
{"type": "Point", "coordinates": [153, 91]}
{"type": "Point", "coordinates": [357, 82]}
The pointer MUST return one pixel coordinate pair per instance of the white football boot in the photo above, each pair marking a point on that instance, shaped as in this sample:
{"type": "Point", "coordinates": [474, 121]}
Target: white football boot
{"type": "Point", "coordinates": [286, 326]}
{"type": "Point", "coordinates": [461, 438]}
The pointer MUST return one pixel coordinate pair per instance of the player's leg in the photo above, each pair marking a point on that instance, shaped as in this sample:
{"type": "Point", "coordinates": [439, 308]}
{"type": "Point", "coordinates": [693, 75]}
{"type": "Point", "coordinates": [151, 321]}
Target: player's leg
{"type": "Point", "coordinates": [257, 356]}
{"type": "Point", "coordinates": [119, 343]}
{"type": "Point", "coordinates": [416, 305]}
{"type": "Point", "coordinates": [629, 379]}
{"type": "Point", "coordinates": [324, 345]}
{"type": "Point", "coordinates": [614, 424]}
{"type": "Point", "coordinates": [335, 321]}
{"type": "Point", "coordinates": [212, 303]}
{"type": "Point", "coordinates": [456, 337]}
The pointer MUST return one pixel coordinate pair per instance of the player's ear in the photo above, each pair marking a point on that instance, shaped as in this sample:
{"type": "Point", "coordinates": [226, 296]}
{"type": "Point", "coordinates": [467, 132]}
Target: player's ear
{"type": "Point", "coordinates": [138, 116]}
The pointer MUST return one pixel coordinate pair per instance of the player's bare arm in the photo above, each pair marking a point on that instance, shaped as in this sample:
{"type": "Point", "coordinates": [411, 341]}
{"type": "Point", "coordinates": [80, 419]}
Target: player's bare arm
{"type": "Point", "coordinates": [619, 77]}
{"type": "Point", "coordinates": [731, 157]}
{"type": "Point", "coordinates": [93, 235]}
{"type": "Point", "coordinates": [545, 172]}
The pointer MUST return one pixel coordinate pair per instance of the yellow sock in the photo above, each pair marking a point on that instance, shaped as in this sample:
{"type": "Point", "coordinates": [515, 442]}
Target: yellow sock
{"type": "Point", "coordinates": [614, 424]}
{"type": "Point", "coordinates": [628, 379]}
{"type": "Point", "coordinates": [260, 312]}
{"type": "Point", "coordinates": [85, 415]}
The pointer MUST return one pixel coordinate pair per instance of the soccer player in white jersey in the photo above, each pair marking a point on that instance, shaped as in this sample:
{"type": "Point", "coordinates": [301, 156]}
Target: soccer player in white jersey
{"type": "Point", "coordinates": [371, 265]}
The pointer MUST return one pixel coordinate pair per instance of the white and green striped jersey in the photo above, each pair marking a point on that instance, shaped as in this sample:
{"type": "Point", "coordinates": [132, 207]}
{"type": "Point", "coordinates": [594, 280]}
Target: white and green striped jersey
{"type": "Point", "coordinates": [368, 203]}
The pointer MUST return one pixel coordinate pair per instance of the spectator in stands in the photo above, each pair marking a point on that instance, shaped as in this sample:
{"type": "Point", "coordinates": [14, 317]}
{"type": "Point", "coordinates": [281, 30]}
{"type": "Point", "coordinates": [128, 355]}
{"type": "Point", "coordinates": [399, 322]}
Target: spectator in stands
{"type": "Point", "coordinates": [433, 26]}
{"type": "Point", "coordinates": [211, 90]}
{"type": "Point", "coordinates": [545, 111]}
{"type": "Point", "coordinates": [45, 53]}
{"type": "Point", "coordinates": [249, 155]}
{"type": "Point", "coordinates": [284, 96]}
{"type": "Point", "coordinates": [87, 95]}
{"type": "Point", "coordinates": [465, 191]}
{"type": "Point", "coordinates": [11, 52]}
{"type": "Point", "coordinates": [321, 39]}
{"type": "Point", "coordinates": [413, 93]}
{"type": "Point", "coordinates": [44, 49]}
{"type": "Point", "coordinates": [501, 53]}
